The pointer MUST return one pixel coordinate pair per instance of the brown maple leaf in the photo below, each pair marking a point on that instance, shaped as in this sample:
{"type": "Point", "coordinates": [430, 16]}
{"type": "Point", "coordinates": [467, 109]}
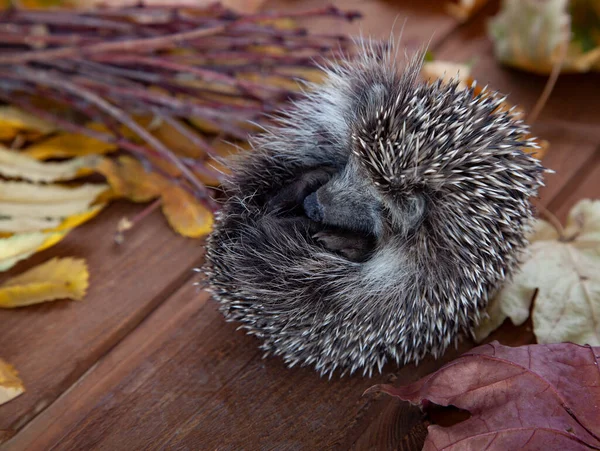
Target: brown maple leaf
{"type": "Point", "coordinates": [531, 397]}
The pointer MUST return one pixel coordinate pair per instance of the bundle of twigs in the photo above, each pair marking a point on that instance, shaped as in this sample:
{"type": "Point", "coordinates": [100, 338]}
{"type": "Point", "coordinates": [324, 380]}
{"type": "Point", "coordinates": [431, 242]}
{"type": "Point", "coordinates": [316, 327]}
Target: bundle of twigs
{"type": "Point", "coordinates": [172, 62]}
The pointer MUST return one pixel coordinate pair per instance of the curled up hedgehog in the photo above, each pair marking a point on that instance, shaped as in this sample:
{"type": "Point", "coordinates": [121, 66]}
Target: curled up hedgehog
{"type": "Point", "coordinates": [374, 222]}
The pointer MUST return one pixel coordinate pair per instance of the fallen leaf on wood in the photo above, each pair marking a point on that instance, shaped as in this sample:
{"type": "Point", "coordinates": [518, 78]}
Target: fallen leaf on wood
{"type": "Point", "coordinates": [530, 34]}
{"type": "Point", "coordinates": [563, 266]}
{"type": "Point", "coordinates": [185, 215]}
{"type": "Point", "coordinates": [15, 165]}
{"type": "Point", "coordinates": [67, 145]}
{"type": "Point", "coordinates": [22, 245]}
{"type": "Point", "coordinates": [532, 397]}
{"type": "Point", "coordinates": [10, 225]}
{"type": "Point", "coordinates": [14, 121]}
{"type": "Point", "coordinates": [129, 179]}
{"type": "Point", "coordinates": [10, 384]}
{"type": "Point", "coordinates": [28, 200]}
{"type": "Point", "coordinates": [59, 278]}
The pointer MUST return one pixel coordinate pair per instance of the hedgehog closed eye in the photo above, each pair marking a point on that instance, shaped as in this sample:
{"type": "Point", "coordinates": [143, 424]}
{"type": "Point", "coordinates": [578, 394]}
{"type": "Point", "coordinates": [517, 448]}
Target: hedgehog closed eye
{"type": "Point", "coordinates": [385, 240]}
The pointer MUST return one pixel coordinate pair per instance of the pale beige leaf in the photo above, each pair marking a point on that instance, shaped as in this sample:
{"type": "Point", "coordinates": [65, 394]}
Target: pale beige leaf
{"type": "Point", "coordinates": [59, 278]}
{"type": "Point", "coordinates": [565, 270]}
{"type": "Point", "coordinates": [20, 246]}
{"type": "Point", "coordinates": [15, 165]}
{"type": "Point", "coordinates": [22, 199]}
{"type": "Point", "coordinates": [10, 384]}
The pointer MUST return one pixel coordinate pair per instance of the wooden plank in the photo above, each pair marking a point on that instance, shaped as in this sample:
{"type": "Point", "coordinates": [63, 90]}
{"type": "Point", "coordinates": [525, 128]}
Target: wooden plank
{"type": "Point", "coordinates": [106, 316]}
{"type": "Point", "coordinates": [185, 378]}
{"type": "Point", "coordinates": [586, 185]}
{"type": "Point", "coordinates": [52, 345]}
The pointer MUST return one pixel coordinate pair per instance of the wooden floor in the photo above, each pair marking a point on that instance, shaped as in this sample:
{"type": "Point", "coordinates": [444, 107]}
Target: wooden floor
{"type": "Point", "coordinates": [147, 362]}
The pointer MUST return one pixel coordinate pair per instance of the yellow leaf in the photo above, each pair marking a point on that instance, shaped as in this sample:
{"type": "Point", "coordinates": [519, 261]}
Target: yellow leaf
{"type": "Point", "coordinates": [77, 219]}
{"type": "Point", "coordinates": [10, 384]}
{"type": "Point", "coordinates": [185, 214]}
{"type": "Point", "coordinates": [22, 199]}
{"type": "Point", "coordinates": [59, 278]}
{"type": "Point", "coordinates": [22, 245]}
{"type": "Point", "coordinates": [14, 121]}
{"type": "Point", "coordinates": [67, 145]}
{"type": "Point", "coordinates": [174, 140]}
{"type": "Point", "coordinates": [129, 179]}
{"type": "Point", "coordinates": [15, 165]}
{"type": "Point", "coordinates": [34, 224]}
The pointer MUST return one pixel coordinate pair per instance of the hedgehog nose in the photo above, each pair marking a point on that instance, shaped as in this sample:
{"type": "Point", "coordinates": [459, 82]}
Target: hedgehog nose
{"type": "Point", "coordinates": [313, 208]}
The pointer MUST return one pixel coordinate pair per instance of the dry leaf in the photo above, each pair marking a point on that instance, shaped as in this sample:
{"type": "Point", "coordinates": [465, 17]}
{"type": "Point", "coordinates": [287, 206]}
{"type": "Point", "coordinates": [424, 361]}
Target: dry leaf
{"type": "Point", "coordinates": [14, 121]}
{"type": "Point", "coordinates": [128, 178]}
{"type": "Point", "coordinates": [10, 225]}
{"type": "Point", "coordinates": [15, 165]}
{"type": "Point", "coordinates": [186, 216]}
{"type": "Point", "coordinates": [59, 278]}
{"type": "Point", "coordinates": [67, 145]}
{"type": "Point", "coordinates": [564, 268]}
{"type": "Point", "coordinates": [22, 245]}
{"type": "Point", "coordinates": [530, 34]}
{"type": "Point", "coordinates": [538, 397]}
{"type": "Point", "coordinates": [28, 200]}
{"type": "Point", "coordinates": [10, 384]}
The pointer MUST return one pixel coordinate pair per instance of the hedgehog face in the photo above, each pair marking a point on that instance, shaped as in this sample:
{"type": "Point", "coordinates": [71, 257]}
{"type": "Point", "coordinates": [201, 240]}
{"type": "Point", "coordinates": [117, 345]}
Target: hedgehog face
{"type": "Point", "coordinates": [375, 221]}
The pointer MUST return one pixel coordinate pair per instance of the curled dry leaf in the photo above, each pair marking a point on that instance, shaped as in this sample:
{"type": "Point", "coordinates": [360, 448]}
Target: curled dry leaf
{"type": "Point", "coordinates": [129, 179]}
{"type": "Point", "coordinates": [538, 397]}
{"type": "Point", "coordinates": [59, 278]}
{"type": "Point", "coordinates": [10, 384]}
{"type": "Point", "coordinates": [564, 267]}
{"type": "Point", "coordinates": [185, 215]}
{"type": "Point", "coordinates": [15, 165]}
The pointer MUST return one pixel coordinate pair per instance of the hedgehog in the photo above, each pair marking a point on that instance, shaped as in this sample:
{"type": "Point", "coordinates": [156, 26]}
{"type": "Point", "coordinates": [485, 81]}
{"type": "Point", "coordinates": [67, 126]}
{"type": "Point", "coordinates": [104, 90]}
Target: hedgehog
{"type": "Point", "coordinates": [375, 219]}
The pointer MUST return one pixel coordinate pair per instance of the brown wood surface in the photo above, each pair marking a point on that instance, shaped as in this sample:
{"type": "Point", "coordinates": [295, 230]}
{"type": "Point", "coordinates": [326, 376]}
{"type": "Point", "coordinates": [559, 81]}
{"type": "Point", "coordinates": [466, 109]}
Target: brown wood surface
{"type": "Point", "coordinates": [147, 362]}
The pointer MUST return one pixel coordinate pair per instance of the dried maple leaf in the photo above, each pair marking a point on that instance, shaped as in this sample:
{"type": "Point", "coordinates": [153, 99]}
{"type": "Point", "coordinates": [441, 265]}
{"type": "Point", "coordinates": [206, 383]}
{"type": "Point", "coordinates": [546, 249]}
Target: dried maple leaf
{"type": "Point", "coordinates": [59, 278]}
{"type": "Point", "coordinates": [564, 268]}
{"type": "Point", "coordinates": [10, 384]}
{"type": "Point", "coordinates": [538, 397]}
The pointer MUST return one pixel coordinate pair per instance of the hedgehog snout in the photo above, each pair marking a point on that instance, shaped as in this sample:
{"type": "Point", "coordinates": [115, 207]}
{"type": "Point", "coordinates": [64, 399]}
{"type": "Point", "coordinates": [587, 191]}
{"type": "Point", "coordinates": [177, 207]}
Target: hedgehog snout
{"type": "Point", "coordinates": [312, 208]}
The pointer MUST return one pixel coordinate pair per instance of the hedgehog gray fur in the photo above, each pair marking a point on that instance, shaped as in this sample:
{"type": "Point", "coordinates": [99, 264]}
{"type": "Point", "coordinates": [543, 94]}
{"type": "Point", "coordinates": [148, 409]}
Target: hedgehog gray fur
{"type": "Point", "coordinates": [374, 222]}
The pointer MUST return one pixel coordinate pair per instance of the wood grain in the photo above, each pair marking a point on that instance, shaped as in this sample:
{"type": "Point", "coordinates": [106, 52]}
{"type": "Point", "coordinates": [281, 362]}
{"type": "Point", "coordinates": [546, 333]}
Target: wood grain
{"type": "Point", "coordinates": [54, 344]}
{"type": "Point", "coordinates": [146, 362]}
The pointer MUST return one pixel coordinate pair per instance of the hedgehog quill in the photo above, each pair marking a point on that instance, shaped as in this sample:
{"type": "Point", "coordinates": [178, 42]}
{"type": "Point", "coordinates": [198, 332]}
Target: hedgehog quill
{"type": "Point", "coordinates": [375, 221]}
